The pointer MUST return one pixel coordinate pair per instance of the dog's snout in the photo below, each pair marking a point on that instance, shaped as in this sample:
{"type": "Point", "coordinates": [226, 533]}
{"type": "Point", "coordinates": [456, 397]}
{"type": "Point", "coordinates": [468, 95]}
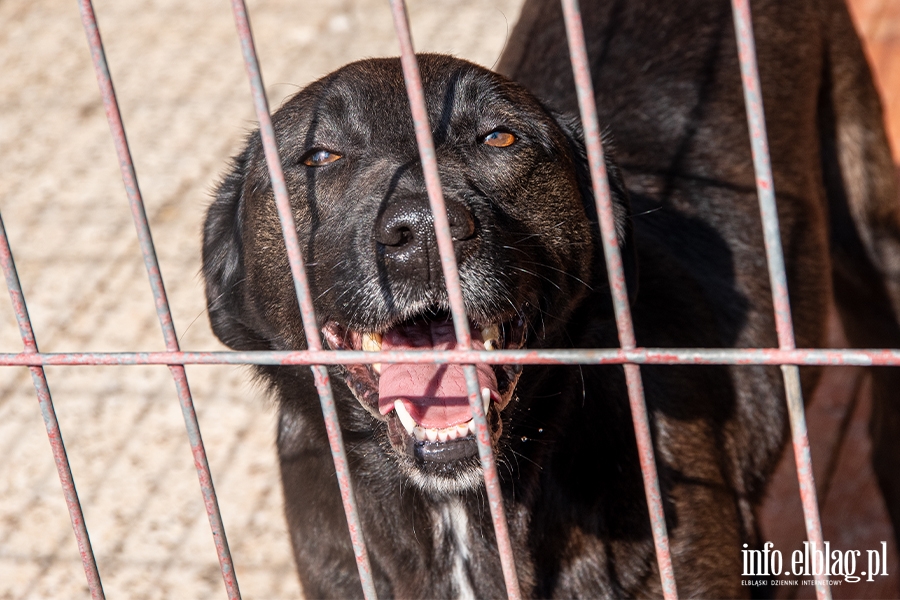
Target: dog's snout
{"type": "Point", "coordinates": [462, 222]}
{"type": "Point", "coordinates": [405, 231]}
{"type": "Point", "coordinates": [403, 225]}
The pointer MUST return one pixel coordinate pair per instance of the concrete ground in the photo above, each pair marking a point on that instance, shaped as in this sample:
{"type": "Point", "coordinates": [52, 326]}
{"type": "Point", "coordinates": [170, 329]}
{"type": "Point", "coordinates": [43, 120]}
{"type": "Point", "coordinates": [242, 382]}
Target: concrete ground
{"type": "Point", "coordinates": [186, 107]}
{"type": "Point", "coordinates": [186, 104]}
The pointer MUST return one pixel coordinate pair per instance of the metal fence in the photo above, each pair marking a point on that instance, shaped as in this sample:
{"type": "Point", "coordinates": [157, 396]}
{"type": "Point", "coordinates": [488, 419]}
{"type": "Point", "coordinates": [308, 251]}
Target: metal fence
{"type": "Point", "coordinates": [629, 355]}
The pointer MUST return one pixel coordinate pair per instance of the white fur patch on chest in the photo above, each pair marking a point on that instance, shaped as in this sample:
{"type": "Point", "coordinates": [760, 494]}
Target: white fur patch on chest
{"type": "Point", "coordinates": [452, 534]}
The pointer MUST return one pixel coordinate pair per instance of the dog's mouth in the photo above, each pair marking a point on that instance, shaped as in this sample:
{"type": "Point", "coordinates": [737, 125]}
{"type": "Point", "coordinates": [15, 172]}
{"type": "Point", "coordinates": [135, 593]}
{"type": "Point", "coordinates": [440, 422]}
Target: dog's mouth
{"type": "Point", "coordinates": [425, 406]}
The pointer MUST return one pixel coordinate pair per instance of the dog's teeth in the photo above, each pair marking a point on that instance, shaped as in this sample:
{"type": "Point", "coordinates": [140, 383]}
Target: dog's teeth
{"type": "Point", "coordinates": [419, 433]}
{"type": "Point", "coordinates": [462, 430]}
{"type": "Point", "coordinates": [431, 435]}
{"type": "Point", "coordinates": [491, 332]}
{"type": "Point", "coordinates": [371, 342]}
{"type": "Point", "coordinates": [486, 399]}
{"type": "Point", "coordinates": [491, 337]}
{"type": "Point", "coordinates": [443, 435]}
{"type": "Point", "coordinates": [408, 423]}
{"type": "Point", "coordinates": [471, 427]}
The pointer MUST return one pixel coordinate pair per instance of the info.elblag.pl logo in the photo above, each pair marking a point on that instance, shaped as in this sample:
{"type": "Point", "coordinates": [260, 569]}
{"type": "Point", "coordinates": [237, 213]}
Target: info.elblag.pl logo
{"type": "Point", "coordinates": [812, 562]}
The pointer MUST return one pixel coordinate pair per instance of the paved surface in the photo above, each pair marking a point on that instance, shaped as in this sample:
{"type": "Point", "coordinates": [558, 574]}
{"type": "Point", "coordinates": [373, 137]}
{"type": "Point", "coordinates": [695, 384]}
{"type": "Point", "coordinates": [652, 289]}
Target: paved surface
{"type": "Point", "coordinates": [186, 105]}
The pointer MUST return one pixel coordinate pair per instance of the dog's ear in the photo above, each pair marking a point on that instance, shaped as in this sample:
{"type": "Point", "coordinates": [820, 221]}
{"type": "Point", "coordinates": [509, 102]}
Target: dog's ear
{"type": "Point", "coordinates": [571, 126]}
{"type": "Point", "coordinates": [223, 261]}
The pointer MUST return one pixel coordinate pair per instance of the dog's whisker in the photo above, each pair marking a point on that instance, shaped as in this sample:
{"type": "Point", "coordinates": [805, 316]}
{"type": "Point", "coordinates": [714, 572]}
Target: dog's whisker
{"type": "Point", "coordinates": [646, 212]}
{"type": "Point", "coordinates": [188, 328]}
{"type": "Point", "coordinates": [539, 276]}
{"type": "Point", "coordinates": [567, 274]}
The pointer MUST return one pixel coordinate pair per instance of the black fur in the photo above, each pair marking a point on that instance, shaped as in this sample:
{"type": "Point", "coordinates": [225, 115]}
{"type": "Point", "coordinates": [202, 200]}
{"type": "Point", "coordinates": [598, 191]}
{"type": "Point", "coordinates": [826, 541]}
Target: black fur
{"type": "Point", "coordinates": [668, 86]}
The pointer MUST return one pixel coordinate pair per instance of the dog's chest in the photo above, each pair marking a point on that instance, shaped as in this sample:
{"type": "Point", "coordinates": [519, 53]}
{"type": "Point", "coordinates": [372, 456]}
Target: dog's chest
{"type": "Point", "coordinates": [452, 544]}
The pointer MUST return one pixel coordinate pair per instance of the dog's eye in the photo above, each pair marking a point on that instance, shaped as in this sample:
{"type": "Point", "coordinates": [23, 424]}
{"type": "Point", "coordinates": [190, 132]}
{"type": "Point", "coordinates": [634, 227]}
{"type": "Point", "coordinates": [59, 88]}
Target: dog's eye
{"type": "Point", "coordinates": [317, 158]}
{"type": "Point", "coordinates": [499, 139]}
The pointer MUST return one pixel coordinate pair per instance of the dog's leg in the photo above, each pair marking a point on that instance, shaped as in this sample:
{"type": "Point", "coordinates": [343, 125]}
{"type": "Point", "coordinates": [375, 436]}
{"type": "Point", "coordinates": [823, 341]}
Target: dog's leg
{"type": "Point", "coordinates": [864, 208]}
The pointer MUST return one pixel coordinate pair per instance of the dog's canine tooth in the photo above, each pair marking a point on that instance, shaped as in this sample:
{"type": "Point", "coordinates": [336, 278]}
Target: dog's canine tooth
{"type": "Point", "coordinates": [491, 332]}
{"type": "Point", "coordinates": [408, 423]}
{"type": "Point", "coordinates": [371, 342]}
{"type": "Point", "coordinates": [491, 337]}
{"type": "Point", "coordinates": [486, 399]}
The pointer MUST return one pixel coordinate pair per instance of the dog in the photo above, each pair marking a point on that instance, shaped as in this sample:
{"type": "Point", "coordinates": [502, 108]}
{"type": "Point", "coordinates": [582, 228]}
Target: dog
{"type": "Point", "coordinates": [514, 175]}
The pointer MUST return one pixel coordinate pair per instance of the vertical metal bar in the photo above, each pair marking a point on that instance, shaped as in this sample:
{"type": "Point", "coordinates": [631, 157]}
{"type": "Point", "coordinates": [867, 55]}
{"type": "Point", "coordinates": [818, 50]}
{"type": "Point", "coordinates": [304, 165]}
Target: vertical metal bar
{"type": "Point", "coordinates": [765, 185]}
{"type": "Point", "coordinates": [129, 178]}
{"type": "Point", "coordinates": [304, 300]}
{"type": "Point", "coordinates": [454, 290]}
{"type": "Point", "coordinates": [778, 278]}
{"type": "Point", "coordinates": [50, 422]}
{"type": "Point", "coordinates": [588, 109]}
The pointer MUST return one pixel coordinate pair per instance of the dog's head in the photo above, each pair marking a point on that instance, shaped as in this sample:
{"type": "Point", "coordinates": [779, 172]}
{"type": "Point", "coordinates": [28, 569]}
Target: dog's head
{"type": "Point", "coordinates": [521, 215]}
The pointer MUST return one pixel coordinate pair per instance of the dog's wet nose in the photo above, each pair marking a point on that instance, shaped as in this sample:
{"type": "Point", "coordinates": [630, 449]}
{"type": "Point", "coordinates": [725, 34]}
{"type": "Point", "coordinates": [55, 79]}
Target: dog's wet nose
{"type": "Point", "coordinates": [405, 231]}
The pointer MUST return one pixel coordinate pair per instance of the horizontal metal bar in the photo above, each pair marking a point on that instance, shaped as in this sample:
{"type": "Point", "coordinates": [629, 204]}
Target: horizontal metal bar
{"type": "Point", "coordinates": [604, 356]}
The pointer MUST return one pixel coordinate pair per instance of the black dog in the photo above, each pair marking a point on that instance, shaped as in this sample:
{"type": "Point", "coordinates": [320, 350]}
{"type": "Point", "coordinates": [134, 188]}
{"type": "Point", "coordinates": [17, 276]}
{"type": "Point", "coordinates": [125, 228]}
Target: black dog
{"type": "Point", "coordinates": [520, 207]}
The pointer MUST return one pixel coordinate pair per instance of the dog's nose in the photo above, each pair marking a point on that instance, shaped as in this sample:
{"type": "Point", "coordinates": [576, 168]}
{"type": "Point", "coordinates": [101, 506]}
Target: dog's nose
{"type": "Point", "coordinates": [405, 232]}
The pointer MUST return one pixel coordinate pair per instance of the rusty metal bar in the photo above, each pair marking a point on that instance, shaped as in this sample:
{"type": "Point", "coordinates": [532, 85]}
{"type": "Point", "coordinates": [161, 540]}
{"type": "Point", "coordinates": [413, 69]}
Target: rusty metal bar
{"type": "Point", "coordinates": [454, 291]}
{"type": "Point", "coordinates": [49, 413]}
{"type": "Point", "coordinates": [139, 216]}
{"type": "Point", "coordinates": [777, 276]}
{"type": "Point", "coordinates": [604, 356]}
{"type": "Point", "coordinates": [640, 419]}
{"type": "Point", "coordinates": [787, 356]}
{"type": "Point", "coordinates": [304, 300]}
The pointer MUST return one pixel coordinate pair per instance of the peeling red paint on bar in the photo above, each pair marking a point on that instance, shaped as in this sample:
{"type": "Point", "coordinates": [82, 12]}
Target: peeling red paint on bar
{"type": "Point", "coordinates": [604, 356]}
{"type": "Point", "coordinates": [588, 109]}
{"type": "Point", "coordinates": [777, 276]}
{"type": "Point", "coordinates": [54, 434]}
{"type": "Point", "coordinates": [304, 300]}
{"type": "Point", "coordinates": [454, 291]}
{"type": "Point", "coordinates": [151, 263]}
{"type": "Point", "coordinates": [316, 357]}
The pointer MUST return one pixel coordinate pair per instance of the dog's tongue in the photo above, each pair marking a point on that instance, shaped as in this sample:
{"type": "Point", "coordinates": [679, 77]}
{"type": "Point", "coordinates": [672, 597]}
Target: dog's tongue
{"type": "Point", "coordinates": [434, 395]}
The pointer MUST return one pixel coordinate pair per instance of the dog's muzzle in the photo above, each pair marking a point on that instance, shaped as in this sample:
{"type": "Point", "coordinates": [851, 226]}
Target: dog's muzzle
{"type": "Point", "coordinates": [425, 406]}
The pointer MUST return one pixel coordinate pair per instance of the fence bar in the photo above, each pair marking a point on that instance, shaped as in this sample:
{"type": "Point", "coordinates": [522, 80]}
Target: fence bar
{"type": "Point", "coordinates": [139, 215]}
{"type": "Point", "coordinates": [604, 356]}
{"type": "Point", "coordinates": [454, 291]}
{"type": "Point", "coordinates": [304, 300]}
{"type": "Point", "coordinates": [777, 276]}
{"type": "Point", "coordinates": [49, 413]}
{"type": "Point", "coordinates": [590, 122]}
